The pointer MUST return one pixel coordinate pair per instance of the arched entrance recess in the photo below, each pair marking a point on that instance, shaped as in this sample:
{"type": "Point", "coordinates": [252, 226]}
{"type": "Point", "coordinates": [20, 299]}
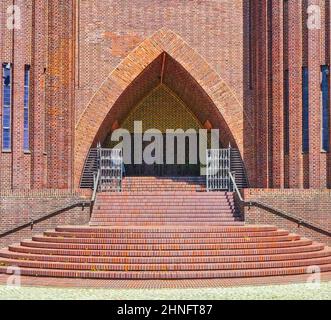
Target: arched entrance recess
{"type": "Point", "coordinates": [163, 58]}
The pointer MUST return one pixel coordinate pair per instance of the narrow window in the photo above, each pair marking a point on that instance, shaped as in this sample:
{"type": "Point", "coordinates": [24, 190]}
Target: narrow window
{"type": "Point", "coordinates": [6, 107]}
{"type": "Point", "coordinates": [286, 113]}
{"type": "Point", "coordinates": [305, 110]}
{"type": "Point", "coordinates": [26, 144]}
{"type": "Point", "coordinates": [325, 109]}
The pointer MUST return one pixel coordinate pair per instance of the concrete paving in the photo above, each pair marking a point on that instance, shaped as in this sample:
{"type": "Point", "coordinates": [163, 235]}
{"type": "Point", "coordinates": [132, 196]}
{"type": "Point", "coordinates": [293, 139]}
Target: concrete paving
{"type": "Point", "coordinates": [303, 291]}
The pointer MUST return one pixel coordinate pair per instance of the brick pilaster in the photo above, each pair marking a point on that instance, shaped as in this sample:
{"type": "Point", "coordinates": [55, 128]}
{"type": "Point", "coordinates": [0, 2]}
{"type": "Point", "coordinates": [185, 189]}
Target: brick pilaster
{"type": "Point", "coordinates": [295, 169]}
{"type": "Point", "coordinates": [277, 94]}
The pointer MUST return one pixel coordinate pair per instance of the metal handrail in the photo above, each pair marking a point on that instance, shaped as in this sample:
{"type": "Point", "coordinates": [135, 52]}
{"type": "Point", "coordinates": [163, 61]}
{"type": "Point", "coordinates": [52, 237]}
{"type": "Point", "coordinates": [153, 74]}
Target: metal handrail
{"type": "Point", "coordinates": [32, 222]}
{"type": "Point", "coordinates": [96, 180]}
{"type": "Point", "coordinates": [288, 216]}
{"type": "Point", "coordinates": [235, 187]}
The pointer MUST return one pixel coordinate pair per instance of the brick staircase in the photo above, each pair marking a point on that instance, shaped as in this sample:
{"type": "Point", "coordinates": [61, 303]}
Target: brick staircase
{"type": "Point", "coordinates": [152, 184]}
{"type": "Point", "coordinates": [165, 235]}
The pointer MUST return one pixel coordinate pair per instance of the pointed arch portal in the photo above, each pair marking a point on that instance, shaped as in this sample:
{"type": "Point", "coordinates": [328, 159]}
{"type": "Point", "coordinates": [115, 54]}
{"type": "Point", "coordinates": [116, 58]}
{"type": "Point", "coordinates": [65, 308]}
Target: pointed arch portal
{"type": "Point", "coordinates": [164, 58]}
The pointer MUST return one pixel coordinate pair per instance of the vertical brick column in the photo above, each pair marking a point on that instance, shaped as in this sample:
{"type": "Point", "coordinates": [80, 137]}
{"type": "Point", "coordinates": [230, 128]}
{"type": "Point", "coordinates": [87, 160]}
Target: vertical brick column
{"type": "Point", "coordinates": [20, 58]}
{"type": "Point", "coordinates": [39, 40]}
{"type": "Point", "coordinates": [60, 94]}
{"type": "Point", "coordinates": [295, 178]}
{"type": "Point", "coordinates": [261, 95]}
{"type": "Point", "coordinates": [277, 94]}
{"type": "Point", "coordinates": [328, 49]}
{"type": "Point", "coordinates": [314, 66]}
{"type": "Point", "coordinates": [6, 49]}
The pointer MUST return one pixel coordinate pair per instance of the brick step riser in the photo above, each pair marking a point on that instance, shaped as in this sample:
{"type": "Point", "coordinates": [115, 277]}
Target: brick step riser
{"type": "Point", "coordinates": [173, 253]}
{"type": "Point", "coordinates": [167, 199]}
{"type": "Point", "coordinates": [176, 194]}
{"type": "Point", "coordinates": [167, 184]}
{"type": "Point", "coordinates": [163, 195]}
{"type": "Point", "coordinates": [156, 216]}
{"type": "Point", "coordinates": [168, 267]}
{"type": "Point", "coordinates": [163, 235]}
{"type": "Point", "coordinates": [172, 206]}
{"type": "Point", "coordinates": [166, 275]}
{"type": "Point", "coordinates": [164, 260]}
{"type": "Point", "coordinates": [178, 207]}
{"type": "Point", "coordinates": [164, 224]}
{"type": "Point", "coordinates": [163, 241]}
{"type": "Point", "coordinates": [181, 229]}
{"type": "Point", "coordinates": [163, 188]}
{"type": "Point", "coordinates": [169, 247]}
{"type": "Point", "coordinates": [165, 207]}
{"type": "Point", "coordinates": [163, 216]}
{"type": "Point", "coordinates": [157, 221]}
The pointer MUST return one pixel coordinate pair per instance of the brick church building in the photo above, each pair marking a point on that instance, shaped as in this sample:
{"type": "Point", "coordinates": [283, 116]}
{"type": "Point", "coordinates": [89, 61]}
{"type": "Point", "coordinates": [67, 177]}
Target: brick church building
{"type": "Point", "coordinates": [74, 71]}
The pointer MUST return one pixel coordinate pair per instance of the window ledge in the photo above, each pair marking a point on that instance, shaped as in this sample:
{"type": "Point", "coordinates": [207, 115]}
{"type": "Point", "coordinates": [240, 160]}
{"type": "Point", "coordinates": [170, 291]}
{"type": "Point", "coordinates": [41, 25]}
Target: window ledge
{"type": "Point", "coordinates": [27, 152]}
{"type": "Point", "coordinates": [6, 150]}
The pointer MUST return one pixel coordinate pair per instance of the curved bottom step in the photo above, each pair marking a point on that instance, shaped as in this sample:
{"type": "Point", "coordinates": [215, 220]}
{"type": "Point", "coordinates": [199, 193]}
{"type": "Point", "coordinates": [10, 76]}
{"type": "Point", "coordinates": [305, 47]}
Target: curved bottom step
{"type": "Point", "coordinates": [164, 275]}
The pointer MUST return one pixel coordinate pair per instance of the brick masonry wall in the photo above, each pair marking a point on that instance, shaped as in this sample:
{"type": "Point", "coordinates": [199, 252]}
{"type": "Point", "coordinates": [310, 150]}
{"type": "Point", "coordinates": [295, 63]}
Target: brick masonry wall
{"type": "Point", "coordinates": [311, 205]}
{"type": "Point", "coordinates": [109, 30]}
{"type": "Point", "coordinates": [73, 46]}
{"type": "Point", "coordinates": [18, 207]}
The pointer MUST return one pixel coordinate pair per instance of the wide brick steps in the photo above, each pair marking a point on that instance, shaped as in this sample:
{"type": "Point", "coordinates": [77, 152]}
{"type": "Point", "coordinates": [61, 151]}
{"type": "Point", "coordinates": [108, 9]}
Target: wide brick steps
{"type": "Point", "coordinates": [165, 208]}
{"type": "Point", "coordinates": [134, 184]}
{"type": "Point", "coordinates": [165, 235]}
{"type": "Point", "coordinates": [165, 252]}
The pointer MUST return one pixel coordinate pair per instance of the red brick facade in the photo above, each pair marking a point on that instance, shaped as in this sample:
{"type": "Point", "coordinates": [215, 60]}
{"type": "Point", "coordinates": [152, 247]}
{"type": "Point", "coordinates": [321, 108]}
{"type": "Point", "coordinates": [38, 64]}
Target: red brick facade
{"type": "Point", "coordinates": [92, 61]}
{"type": "Point", "coordinates": [310, 205]}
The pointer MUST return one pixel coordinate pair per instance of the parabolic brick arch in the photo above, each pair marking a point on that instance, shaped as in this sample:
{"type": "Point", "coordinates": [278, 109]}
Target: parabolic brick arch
{"type": "Point", "coordinates": [96, 118]}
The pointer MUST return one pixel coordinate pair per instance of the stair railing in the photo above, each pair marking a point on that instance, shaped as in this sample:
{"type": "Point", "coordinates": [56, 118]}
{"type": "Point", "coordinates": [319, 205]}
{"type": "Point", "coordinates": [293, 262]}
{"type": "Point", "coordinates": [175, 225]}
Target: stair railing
{"type": "Point", "coordinates": [234, 186]}
{"type": "Point", "coordinates": [96, 181]}
{"type": "Point", "coordinates": [277, 211]}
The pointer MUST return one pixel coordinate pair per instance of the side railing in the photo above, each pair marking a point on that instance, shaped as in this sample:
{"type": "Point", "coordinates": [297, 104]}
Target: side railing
{"type": "Point", "coordinates": [55, 212]}
{"type": "Point", "coordinates": [96, 180]}
{"type": "Point", "coordinates": [281, 213]}
{"type": "Point", "coordinates": [234, 186]}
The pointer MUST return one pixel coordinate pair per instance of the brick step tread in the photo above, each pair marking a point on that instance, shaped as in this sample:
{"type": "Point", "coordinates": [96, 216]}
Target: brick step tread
{"type": "Point", "coordinates": [41, 238]}
{"type": "Point", "coordinates": [166, 274]}
{"type": "Point", "coordinates": [159, 218]}
{"type": "Point", "coordinates": [163, 215]}
{"type": "Point", "coordinates": [163, 235]}
{"type": "Point", "coordinates": [166, 199]}
{"type": "Point", "coordinates": [169, 206]}
{"type": "Point", "coordinates": [157, 208]}
{"type": "Point", "coordinates": [160, 247]}
{"type": "Point", "coordinates": [175, 259]}
{"type": "Point", "coordinates": [163, 188]}
{"type": "Point", "coordinates": [168, 203]}
{"type": "Point", "coordinates": [171, 229]}
{"type": "Point", "coordinates": [164, 223]}
{"type": "Point", "coordinates": [170, 187]}
{"type": "Point", "coordinates": [173, 210]}
{"type": "Point", "coordinates": [166, 267]}
{"type": "Point", "coordinates": [175, 194]}
{"type": "Point", "coordinates": [164, 183]}
{"type": "Point", "coordinates": [166, 253]}
{"type": "Point", "coordinates": [168, 178]}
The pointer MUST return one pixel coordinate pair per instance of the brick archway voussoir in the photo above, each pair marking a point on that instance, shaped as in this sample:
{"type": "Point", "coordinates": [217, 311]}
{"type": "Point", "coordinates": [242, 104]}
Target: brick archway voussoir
{"type": "Point", "coordinates": [132, 66]}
